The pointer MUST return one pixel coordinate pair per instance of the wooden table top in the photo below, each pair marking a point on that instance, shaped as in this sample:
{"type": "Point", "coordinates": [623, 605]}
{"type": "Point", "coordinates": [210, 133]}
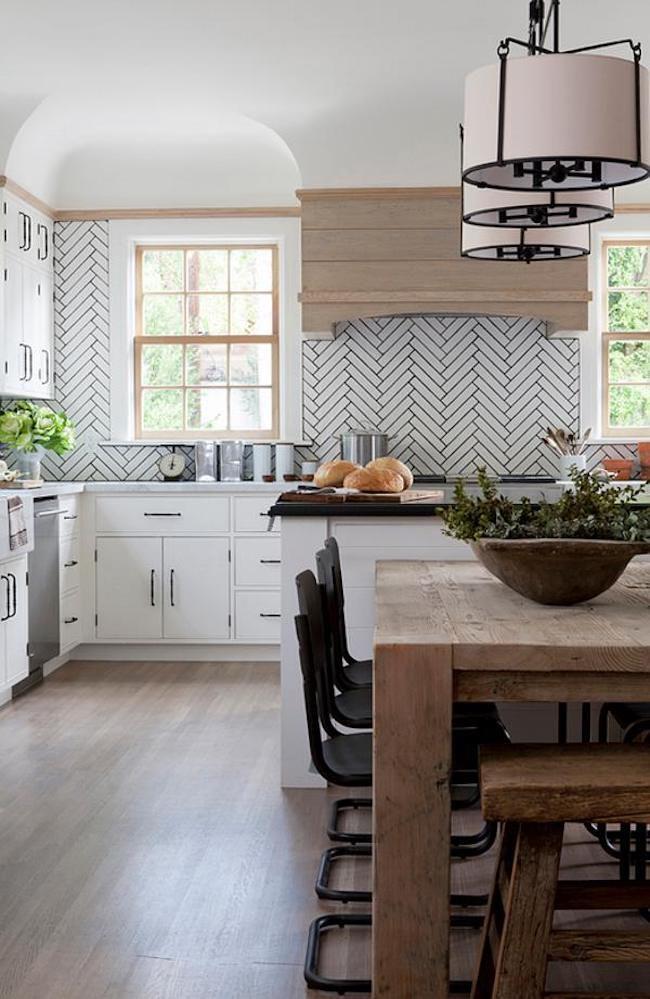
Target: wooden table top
{"type": "Point", "coordinates": [490, 627]}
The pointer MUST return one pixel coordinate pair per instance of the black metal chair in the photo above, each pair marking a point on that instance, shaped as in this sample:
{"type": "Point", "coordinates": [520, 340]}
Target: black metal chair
{"type": "Point", "coordinates": [465, 790]}
{"type": "Point", "coordinates": [346, 760]}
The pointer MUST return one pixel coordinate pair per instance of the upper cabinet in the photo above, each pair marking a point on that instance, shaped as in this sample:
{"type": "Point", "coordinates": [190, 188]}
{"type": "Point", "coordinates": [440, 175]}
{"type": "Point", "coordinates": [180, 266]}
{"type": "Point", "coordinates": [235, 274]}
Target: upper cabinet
{"type": "Point", "coordinates": [27, 328]}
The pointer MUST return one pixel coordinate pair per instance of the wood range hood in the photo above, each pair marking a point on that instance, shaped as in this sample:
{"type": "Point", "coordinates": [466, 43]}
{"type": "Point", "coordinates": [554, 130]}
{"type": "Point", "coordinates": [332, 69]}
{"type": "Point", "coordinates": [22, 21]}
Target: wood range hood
{"type": "Point", "coordinates": [369, 252]}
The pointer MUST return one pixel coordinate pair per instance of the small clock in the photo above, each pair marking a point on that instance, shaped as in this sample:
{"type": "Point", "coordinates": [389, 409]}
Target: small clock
{"type": "Point", "coordinates": [172, 466]}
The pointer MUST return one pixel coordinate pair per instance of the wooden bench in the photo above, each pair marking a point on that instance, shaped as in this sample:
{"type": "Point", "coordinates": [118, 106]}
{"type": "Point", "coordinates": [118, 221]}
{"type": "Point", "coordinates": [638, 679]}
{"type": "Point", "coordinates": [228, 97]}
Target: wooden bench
{"type": "Point", "coordinates": [534, 791]}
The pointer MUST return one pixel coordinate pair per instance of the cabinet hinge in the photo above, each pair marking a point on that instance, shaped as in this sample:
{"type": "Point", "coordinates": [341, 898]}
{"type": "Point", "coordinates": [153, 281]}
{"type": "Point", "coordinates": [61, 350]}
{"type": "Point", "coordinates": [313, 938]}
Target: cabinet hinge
{"type": "Point", "coordinates": [229, 555]}
{"type": "Point", "coordinates": [229, 620]}
{"type": "Point", "coordinates": [26, 579]}
{"type": "Point", "coordinates": [96, 619]}
{"type": "Point", "coordinates": [6, 367]}
{"type": "Point", "coordinates": [95, 554]}
{"type": "Point", "coordinates": [5, 273]}
{"type": "Point", "coordinates": [27, 650]}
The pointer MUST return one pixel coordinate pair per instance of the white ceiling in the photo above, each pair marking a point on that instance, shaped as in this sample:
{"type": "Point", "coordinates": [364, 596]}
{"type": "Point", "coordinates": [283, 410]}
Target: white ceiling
{"type": "Point", "coordinates": [175, 103]}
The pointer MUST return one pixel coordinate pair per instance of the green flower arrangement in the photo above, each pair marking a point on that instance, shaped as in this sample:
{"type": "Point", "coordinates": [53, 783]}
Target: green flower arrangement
{"type": "Point", "coordinates": [24, 426]}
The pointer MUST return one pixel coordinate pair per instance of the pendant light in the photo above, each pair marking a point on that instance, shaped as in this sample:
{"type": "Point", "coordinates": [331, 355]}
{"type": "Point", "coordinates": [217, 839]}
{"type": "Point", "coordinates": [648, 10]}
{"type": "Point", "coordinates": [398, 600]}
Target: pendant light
{"type": "Point", "coordinates": [485, 206]}
{"type": "Point", "coordinates": [557, 120]}
{"type": "Point", "coordinates": [541, 243]}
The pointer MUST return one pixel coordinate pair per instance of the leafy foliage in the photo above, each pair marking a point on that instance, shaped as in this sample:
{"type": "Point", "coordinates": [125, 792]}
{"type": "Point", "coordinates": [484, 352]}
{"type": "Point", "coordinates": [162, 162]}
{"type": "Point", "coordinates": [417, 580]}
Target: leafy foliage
{"type": "Point", "coordinates": [26, 426]}
{"type": "Point", "coordinates": [593, 509]}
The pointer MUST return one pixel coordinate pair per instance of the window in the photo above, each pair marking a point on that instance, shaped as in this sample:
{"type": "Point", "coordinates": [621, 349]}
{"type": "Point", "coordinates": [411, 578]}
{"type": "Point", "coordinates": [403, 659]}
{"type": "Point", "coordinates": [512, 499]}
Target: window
{"type": "Point", "coordinates": [626, 338]}
{"type": "Point", "coordinates": [206, 345]}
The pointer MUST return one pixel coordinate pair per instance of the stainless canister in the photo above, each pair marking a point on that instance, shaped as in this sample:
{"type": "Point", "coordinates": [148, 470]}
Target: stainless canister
{"type": "Point", "coordinates": [362, 446]}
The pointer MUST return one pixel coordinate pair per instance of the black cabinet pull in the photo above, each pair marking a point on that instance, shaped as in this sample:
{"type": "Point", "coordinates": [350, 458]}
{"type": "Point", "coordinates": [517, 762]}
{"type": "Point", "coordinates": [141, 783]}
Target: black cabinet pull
{"type": "Point", "coordinates": [68, 565]}
{"type": "Point", "coordinates": [163, 515]}
{"type": "Point", "coordinates": [152, 584]}
{"type": "Point", "coordinates": [46, 357]}
{"type": "Point", "coordinates": [270, 615]}
{"type": "Point", "coordinates": [171, 588]}
{"type": "Point", "coordinates": [30, 354]}
{"type": "Point", "coordinates": [70, 620]}
{"type": "Point", "coordinates": [270, 561]}
{"type": "Point", "coordinates": [13, 590]}
{"type": "Point", "coordinates": [70, 516]}
{"type": "Point", "coordinates": [23, 377]}
{"type": "Point", "coordinates": [43, 235]}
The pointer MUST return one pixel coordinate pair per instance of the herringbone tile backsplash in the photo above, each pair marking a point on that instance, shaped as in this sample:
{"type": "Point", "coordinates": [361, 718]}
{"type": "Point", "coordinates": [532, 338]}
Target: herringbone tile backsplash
{"type": "Point", "coordinates": [453, 392]}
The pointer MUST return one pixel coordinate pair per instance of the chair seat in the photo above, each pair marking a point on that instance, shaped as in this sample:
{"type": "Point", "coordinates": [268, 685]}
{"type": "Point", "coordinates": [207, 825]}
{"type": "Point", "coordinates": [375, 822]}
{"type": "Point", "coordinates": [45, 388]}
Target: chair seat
{"type": "Point", "coordinates": [356, 705]}
{"type": "Point", "coordinates": [350, 755]}
{"type": "Point", "coordinates": [359, 673]}
{"type": "Point", "coordinates": [570, 783]}
{"type": "Point", "coordinates": [630, 714]}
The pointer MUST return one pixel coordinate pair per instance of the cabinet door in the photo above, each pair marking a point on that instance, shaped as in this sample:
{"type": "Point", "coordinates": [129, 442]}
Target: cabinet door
{"type": "Point", "coordinates": [14, 363]}
{"type": "Point", "coordinates": [197, 588]}
{"type": "Point", "coordinates": [19, 227]}
{"type": "Point", "coordinates": [13, 607]}
{"type": "Point", "coordinates": [42, 337]}
{"type": "Point", "coordinates": [129, 588]}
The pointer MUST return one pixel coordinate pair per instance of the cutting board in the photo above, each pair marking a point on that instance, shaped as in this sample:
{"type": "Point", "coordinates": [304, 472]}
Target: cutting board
{"type": "Point", "coordinates": [408, 496]}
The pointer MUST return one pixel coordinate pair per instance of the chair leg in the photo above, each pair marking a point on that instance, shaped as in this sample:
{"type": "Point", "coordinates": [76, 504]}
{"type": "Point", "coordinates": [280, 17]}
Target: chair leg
{"type": "Point", "coordinates": [513, 954]}
{"type": "Point", "coordinates": [341, 805]}
{"type": "Point", "coordinates": [329, 857]}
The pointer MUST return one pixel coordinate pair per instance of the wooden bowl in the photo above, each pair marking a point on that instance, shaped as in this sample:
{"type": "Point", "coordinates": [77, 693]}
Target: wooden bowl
{"type": "Point", "coordinates": [559, 571]}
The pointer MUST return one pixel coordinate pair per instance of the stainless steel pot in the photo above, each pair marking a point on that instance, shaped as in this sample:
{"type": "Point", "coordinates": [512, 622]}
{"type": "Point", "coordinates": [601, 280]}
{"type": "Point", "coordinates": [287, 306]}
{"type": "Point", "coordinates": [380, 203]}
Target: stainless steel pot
{"type": "Point", "coordinates": [362, 446]}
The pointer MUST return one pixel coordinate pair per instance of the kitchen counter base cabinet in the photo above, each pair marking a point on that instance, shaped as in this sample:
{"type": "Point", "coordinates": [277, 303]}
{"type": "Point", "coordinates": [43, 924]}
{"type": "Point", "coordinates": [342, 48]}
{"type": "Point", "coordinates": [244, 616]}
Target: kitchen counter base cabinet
{"type": "Point", "coordinates": [14, 663]}
{"type": "Point", "coordinates": [169, 588]}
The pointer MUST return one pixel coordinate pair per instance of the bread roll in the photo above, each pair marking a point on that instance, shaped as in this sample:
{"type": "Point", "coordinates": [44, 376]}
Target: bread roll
{"type": "Point", "coordinates": [332, 473]}
{"type": "Point", "coordinates": [374, 480]}
{"type": "Point", "coordinates": [394, 465]}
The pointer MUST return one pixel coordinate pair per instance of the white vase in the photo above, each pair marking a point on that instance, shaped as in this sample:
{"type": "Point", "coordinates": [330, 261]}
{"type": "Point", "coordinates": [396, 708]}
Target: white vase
{"type": "Point", "coordinates": [569, 462]}
{"type": "Point", "coordinates": [29, 462]}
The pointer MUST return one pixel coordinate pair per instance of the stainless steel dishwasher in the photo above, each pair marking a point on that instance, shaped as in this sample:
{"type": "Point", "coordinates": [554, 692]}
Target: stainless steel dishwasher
{"type": "Point", "coordinates": [44, 562]}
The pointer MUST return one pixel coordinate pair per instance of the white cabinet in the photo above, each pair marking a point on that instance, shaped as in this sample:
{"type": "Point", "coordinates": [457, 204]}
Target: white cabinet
{"type": "Point", "coordinates": [197, 588]}
{"type": "Point", "coordinates": [163, 588]}
{"type": "Point", "coordinates": [257, 561]}
{"type": "Point", "coordinates": [129, 588]}
{"type": "Point", "coordinates": [13, 621]}
{"type": "Point", "coordinates": [162, 515]}
{"type": "Point", "coordinates": [257, 615]}
{"type": "Point", "coordinates": [27, 321]}
{"type": "Point", "coordinates": [251, 514]}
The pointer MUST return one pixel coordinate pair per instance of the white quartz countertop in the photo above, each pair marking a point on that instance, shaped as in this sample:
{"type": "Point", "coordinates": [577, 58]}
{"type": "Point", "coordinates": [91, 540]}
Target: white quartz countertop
{"type": "Point", "coordinates": [273, 488]}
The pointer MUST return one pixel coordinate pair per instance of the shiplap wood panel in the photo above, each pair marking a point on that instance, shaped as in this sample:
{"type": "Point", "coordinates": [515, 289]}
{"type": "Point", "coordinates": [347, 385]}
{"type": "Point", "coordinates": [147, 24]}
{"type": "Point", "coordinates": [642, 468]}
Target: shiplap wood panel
{"type": "Point", "coordinates": [381, 247]}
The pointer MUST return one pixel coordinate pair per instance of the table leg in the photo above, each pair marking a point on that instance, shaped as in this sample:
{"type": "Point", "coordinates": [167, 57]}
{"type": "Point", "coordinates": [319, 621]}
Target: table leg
{"type": "Point", "coordinates": [412, 816]}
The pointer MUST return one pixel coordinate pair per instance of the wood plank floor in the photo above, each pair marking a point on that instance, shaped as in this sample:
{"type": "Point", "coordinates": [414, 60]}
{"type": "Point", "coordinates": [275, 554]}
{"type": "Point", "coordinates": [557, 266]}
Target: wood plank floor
{"type": "Point", "coordinates": [147, 851]}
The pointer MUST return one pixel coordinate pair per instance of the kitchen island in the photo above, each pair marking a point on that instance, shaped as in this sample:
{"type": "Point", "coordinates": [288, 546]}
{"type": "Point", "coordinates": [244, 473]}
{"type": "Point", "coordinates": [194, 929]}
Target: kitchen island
{"type": "Point", "coordinates": [366, 533]}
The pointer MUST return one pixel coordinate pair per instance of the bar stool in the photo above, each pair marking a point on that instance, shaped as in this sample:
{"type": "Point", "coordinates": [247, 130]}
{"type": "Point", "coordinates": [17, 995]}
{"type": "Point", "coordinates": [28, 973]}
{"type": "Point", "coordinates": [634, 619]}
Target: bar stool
{"type": "Point", "coordinates": [534, 791]}
{"type": "Point", "coordinates": [471, 717]}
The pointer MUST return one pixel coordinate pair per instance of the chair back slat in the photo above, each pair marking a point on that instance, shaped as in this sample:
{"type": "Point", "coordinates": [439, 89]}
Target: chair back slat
{"type": "Point", "coordinates": [338, 595]}
{"type": "Point", "coordinates": [310, 603]}
{"type": "Point", "coordinates": [310, 692]}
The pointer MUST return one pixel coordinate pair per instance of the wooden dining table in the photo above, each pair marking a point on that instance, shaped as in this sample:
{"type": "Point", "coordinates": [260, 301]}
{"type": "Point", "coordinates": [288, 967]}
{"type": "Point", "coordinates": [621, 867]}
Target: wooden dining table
{"type": "Point", "coordinates": [445, 632]}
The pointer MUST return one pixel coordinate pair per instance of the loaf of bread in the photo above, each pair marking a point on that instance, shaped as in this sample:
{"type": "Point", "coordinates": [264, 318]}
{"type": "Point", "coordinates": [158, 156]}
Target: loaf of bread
{"type": "Point", "coordinates": [393, 465]}
{"type": "Point", "coordinates": [332, 473]}
{"type": "Point", "coordinates": [374, 480]}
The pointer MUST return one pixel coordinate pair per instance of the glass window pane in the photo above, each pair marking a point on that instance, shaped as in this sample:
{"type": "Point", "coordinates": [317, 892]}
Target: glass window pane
{"type": "Point", "coordinates": [251, 364]}
{"type": "Point", "coordinates": [206, 365]}
{"type": "Point", "coordinates": [207, 314]}
{"type": "Point", "coordinates": [251, 270]}
{"type": "Point", "coordinates": [162, 270]}
{"type": "Point", "coordinates": [207, 270]}
{"type": "Point", "coordinates": [629, 405]}
{"type": "Point", "coordinates": [251, 409]}
{"type": "Point", "coordinates": [629, 360]}
{"type": "Point", "coordinates": [162, 315]}
{"type": "Point", "coordinates": [627, 266]}
{"type": "Point", "coordinates": [162, 409]}
{"type": "Point", "coordinates": [628, 311]}
{"type": "Point", "coordinates": [162, 364]}
{"type": "Point", "coordinates": [251, 314]}
{"type": "Point", "coordinates": [207, 409]}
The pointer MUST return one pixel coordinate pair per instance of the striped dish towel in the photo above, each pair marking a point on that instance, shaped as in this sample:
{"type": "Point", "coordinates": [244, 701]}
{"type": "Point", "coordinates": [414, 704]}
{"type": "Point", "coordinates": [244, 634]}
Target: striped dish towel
{"type": "Point", "coordinates": [17, 526]}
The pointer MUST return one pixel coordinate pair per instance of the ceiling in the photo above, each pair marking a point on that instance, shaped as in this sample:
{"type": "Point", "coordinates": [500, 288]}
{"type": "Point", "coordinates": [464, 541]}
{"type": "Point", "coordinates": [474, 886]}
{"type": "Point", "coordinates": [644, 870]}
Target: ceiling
{"type": "Point", "coordinates": [171, 103]}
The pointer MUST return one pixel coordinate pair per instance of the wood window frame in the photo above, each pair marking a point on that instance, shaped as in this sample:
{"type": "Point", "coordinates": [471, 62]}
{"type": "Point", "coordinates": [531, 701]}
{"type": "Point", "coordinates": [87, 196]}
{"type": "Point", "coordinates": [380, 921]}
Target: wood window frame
{"type": "Point", "coordinates": [141, 339]}
{"type": "Point", "coordinates": [607, 336]}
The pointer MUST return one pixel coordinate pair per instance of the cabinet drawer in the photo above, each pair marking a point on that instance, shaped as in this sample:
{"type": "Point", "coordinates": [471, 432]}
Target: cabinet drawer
{"type": "Point", "coordinates": [251, 514]}
{"type": "Point", "coordinates": [162, 515]}
{"type": "Point", "coordinates": [70, 574]}
{"type": "Point", "coordinates": [257, 561]}
{"type": "Point", "coordinates": [70, 620]}
{"type": "Point", "coordinates": [70, 517]}
{"type": "Point", "coordinates": [257, 615]}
